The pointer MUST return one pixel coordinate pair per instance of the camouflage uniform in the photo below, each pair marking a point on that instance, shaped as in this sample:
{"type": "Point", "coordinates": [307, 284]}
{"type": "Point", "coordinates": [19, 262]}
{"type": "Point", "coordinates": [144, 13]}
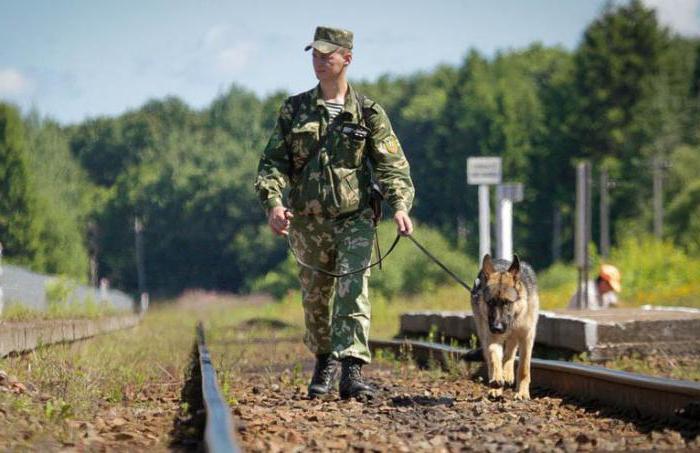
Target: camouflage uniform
{"type": "Point", "coordinates": [327, 169]}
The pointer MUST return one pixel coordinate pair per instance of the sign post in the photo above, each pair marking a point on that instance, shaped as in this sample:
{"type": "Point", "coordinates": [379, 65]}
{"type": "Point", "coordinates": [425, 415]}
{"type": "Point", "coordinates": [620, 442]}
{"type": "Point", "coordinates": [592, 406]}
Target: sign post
{"type": "Point", "coordinates": [506, 195]}
{"type": "Point", "coordinates": [484, 171]}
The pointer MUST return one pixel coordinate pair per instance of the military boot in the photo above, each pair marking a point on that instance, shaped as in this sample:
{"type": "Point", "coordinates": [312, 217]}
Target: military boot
{"type": "Point", "coordinates": [324, 374]}
{"type": "Point", "coordinates": [351, 383]}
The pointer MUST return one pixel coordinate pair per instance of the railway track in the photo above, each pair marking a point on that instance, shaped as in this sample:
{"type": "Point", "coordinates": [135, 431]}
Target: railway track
{"type": "Point", "coordinates": [647, 395]}
{"type": "Point", "coordinates": [266, 370]}
{"type": "Point", "coordinates": [217, 436]}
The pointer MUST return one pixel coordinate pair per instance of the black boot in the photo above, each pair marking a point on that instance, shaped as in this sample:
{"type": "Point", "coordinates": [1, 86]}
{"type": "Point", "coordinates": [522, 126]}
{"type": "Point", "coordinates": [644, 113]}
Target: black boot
{"type": "Point", "coordinates": [351, 383]}
{"type": "Point", "coordinates": [324, 374]}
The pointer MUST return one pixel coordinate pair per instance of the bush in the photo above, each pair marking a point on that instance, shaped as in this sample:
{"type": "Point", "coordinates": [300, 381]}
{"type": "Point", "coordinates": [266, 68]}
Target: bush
{"type": "Point", "coordinates": [409, 271]}
{"type": "Point", "coordinates": [58, 290]}
{"type": "Point", "coordinates": [655, 271]}
{"type": "Point", "coordinates": [280, 280]}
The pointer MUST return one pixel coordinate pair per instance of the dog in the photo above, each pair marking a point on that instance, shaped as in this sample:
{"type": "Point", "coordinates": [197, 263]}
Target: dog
{"type": "Point", "coordinates": [505, 304]}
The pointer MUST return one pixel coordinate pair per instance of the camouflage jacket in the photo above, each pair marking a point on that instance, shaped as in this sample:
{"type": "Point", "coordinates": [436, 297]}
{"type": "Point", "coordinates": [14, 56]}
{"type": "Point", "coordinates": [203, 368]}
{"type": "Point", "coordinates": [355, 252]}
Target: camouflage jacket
{"type": "Point", "coordinates": [331, 164]}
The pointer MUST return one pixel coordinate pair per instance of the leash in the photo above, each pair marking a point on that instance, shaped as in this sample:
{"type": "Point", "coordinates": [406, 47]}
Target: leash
{"type": "Point", "coordinates": [379, 261]}
{"type": "Point", "coordinates": [439, 263]}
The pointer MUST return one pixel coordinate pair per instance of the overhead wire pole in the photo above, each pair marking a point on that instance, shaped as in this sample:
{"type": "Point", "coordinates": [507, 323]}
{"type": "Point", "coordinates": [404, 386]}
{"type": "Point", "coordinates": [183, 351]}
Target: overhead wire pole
{"type": "Point", "coordinates": [140, 268]}
{"type": "Point", "coordinates": [658, 197]}
{"type": "Point", "coordinates": [582, 231]}
{"type": "Point", "coordinates": [589, 223]}
{"type": "Point", "coordinates": [604, 215]}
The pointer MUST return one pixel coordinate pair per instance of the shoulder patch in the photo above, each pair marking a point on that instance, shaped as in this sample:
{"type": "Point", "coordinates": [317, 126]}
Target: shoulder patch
{"type": "Point", "coordinates": [392, 144]}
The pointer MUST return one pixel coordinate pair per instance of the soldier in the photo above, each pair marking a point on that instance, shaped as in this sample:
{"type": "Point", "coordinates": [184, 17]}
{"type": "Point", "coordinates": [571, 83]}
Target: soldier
{"type": "Point", "coordinates": [327, 145]}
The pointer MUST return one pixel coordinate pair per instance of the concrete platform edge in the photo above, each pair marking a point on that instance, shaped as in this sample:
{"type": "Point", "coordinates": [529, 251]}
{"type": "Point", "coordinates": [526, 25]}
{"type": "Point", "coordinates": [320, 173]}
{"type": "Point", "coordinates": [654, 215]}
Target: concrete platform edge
{"type": "Point", "coordinates": [26, 336]}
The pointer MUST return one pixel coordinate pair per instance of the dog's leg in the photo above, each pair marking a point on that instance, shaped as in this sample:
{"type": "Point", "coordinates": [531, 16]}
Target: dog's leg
{"type": "Point", "coordinates": [495, 352]}
{"type": "Point", "coordinates": [509, 360]}
{"type": "Point", "coordinates": [526, 345]}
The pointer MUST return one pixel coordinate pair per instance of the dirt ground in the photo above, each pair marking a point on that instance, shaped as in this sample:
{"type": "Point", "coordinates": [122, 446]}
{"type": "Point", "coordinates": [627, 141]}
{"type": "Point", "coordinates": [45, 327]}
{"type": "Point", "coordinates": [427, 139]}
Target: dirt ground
{"type": "Point", "coordinates": [122, 392]}
{"type": "Point", "coordinates": [265, 373]}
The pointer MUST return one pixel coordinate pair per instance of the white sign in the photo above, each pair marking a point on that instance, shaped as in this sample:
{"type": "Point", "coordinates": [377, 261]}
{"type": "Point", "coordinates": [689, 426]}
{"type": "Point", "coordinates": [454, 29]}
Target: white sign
{"type": "Point", "coordinates": [483, 170]}
{"type": "Point", "coordinates": [511, 191]}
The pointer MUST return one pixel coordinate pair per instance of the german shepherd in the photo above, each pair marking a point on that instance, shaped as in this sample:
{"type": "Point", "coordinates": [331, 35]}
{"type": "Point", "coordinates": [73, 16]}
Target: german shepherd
{"type": "Point", "coordinates": [505, 304]}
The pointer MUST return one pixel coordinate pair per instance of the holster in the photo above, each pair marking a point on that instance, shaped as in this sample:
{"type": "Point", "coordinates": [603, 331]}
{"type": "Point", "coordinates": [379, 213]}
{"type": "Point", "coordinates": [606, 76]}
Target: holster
{"type": "Point", "coordinates": [375, 201]}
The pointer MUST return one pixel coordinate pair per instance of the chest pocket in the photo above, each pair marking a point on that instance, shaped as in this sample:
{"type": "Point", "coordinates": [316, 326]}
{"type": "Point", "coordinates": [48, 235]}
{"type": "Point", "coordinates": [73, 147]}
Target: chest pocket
{"type": "Point", "coordinates": [303, 141]}
{"type": "Point", "coordinates": [350, 143]}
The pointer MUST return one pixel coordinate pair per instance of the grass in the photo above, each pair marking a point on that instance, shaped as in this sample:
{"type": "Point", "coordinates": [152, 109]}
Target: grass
{"type": "Point", "coordinates": [88, 309]}
{"type": "Point", "coordinates": [61, 304]}
{"type": "Point", "coordinates": [684, 367]}
{"type": "Point", "coordinates": [129, 371]}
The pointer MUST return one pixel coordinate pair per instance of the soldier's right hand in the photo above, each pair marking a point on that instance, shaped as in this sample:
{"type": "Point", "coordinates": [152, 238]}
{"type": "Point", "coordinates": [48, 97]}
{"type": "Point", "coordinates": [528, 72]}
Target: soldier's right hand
{"type": "Point", "coordinates": [278, 219]}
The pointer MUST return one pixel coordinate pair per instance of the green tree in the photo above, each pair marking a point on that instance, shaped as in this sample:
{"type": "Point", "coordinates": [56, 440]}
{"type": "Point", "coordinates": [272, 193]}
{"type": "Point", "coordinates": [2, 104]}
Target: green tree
{"type": "Point", "coordinates": [63, 200]}
{"type": "Point", "coordinates": [19, 232]}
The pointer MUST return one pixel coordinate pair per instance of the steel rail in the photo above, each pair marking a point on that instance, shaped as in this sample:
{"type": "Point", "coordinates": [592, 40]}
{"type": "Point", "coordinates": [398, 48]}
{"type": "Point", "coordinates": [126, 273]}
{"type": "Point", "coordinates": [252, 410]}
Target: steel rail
{"type": "Point", "coordinates": [218, 433]}
{"type": "Point", "coordinates": [649, 395]}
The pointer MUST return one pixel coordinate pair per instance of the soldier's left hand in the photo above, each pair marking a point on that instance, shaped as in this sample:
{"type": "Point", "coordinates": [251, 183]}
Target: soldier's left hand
{"type": "Point", "coordinates": [403, 222]}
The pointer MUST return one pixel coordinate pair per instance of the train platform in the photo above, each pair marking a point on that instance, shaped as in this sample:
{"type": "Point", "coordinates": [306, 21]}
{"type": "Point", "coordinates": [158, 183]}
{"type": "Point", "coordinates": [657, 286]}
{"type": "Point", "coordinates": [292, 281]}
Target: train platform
{"type": "Point", "coordinates": [602, 334]}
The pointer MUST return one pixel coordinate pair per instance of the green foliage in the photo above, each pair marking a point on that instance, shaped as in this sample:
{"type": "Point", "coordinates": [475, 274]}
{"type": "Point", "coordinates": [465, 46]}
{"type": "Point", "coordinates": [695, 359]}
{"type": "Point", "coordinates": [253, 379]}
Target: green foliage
{"type": "Point", "coordinates": [63, 201]}
{"type": "Point", "coordinates": [280, 280]}
{"type": "Point", "coordinates": [409, 271]}
{"type": "Point", "coordinates": [57, 410]}
{"type": "Point", "coordinates": [18, 204]}
{"type": "Point", "coordinates": [648, 265]}
{"type": "Point", "coordinates": [555, 276]}
{"type": "Point", "coordinates": [58, 291]}
{"type": "Point", "coordinates": [684, 218]}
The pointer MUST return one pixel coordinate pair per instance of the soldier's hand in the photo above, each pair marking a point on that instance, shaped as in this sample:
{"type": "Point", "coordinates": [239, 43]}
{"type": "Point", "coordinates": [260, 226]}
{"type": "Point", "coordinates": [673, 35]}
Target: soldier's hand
{"type": "Point", "coordinates": [278, 219]}
{"type": "Point", "coordinates": [403, 223]}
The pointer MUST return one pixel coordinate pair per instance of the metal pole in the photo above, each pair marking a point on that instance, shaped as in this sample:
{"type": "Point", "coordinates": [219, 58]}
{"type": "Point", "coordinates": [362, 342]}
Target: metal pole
{"type": "Point", "coordinates": [582, 232]}
{"type": "Point", "coordinates": [140, 270]}
{"type": "Point", "coordinates": [658, 198]}
{"type": "Point", "coordinates": [604, 215]}
{"type": "Point", "coordinates": [92, 241]}
{"type": "Point", "coordinates": [588, 211]}
{"type": "Point", "coordinates": [484, 222]}
{"type": "Point", "coordinates": [499, 223]}
{"type": "Point", "coordinates": [504, 225]}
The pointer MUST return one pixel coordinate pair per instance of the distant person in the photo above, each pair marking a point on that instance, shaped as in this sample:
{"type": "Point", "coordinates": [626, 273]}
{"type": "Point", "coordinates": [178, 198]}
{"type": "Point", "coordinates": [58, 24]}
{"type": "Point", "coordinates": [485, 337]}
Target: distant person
{"type": "Point", "coordinates": [602, 293]}
{"type": "Point", "coordinates": [327, 145]}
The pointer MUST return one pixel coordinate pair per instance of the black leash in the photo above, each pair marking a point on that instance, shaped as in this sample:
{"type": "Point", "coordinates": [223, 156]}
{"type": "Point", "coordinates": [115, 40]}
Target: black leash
{"type": "Point", "coordinates": [379, 261]}
{"type": "Point", "coordinates": [439, 263]}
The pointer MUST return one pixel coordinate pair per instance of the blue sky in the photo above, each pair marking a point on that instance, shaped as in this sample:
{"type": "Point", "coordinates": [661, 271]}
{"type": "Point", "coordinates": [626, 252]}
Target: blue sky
{"type": "Point", "coordinates": [73, 59]}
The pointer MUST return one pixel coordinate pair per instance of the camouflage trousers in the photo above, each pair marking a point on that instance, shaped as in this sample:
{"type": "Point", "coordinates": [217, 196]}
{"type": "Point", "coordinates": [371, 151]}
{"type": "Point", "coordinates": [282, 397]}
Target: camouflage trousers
{"type": "Point", "coordinates": [336, 310]}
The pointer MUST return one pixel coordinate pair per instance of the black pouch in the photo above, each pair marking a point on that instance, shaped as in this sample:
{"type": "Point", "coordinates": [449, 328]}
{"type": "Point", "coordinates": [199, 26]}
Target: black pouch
{"type": "Point", "coordinates": [375, 201]}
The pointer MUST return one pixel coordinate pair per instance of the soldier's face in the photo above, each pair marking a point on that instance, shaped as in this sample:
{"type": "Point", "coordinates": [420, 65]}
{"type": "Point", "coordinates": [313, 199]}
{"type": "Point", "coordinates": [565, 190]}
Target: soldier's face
{"type": "Point", "coordinates": [329, 66]}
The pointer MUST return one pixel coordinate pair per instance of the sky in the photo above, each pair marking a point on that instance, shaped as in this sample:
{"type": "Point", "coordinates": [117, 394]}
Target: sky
{"type": "Point", "coordinates": [74, 59]}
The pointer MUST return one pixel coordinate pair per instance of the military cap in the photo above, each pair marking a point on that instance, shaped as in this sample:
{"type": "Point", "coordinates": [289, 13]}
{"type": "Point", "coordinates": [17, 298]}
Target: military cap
{"type": "Point", "coordinates": [328, 39]}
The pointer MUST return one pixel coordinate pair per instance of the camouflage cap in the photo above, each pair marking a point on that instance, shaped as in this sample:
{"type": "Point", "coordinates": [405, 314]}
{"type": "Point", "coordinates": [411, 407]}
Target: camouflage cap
{"type": "Point", "coordinates": [328, 39]}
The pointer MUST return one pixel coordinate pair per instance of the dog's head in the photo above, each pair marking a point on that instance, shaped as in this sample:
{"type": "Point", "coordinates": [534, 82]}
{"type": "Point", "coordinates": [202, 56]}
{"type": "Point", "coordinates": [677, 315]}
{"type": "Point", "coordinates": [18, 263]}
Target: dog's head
{"type": "Point", "coordinates": [500, 293]}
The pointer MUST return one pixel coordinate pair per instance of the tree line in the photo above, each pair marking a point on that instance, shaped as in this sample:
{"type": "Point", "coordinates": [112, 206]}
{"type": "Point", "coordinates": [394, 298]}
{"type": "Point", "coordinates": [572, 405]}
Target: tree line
{"type": "Point", "coordinates": [628, 93]}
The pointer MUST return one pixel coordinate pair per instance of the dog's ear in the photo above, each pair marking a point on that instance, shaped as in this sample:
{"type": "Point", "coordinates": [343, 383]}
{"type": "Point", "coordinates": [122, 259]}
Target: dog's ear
{"type": "Point", "coordinates": [487, 266]}
{"type": "Point", "coordinates": [514, 268]}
